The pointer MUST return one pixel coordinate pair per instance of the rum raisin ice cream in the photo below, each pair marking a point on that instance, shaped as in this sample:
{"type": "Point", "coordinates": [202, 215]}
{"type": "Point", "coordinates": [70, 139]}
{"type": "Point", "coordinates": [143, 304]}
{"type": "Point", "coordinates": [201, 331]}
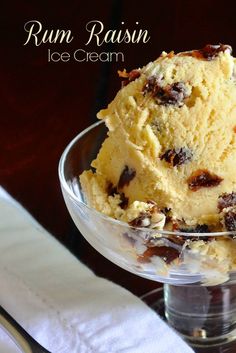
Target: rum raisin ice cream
{"type": "Point", "coordinates": [168, 161]}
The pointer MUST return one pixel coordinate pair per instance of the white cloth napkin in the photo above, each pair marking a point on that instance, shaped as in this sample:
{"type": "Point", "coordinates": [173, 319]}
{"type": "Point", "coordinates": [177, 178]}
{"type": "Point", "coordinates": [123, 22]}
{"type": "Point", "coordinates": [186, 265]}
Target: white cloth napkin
{"type": "Point", "coordinates": [62, 304]}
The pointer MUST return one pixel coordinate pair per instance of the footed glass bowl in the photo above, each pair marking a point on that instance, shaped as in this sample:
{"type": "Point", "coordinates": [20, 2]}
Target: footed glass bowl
{"type": "Point", "coordinates": [199, 292]}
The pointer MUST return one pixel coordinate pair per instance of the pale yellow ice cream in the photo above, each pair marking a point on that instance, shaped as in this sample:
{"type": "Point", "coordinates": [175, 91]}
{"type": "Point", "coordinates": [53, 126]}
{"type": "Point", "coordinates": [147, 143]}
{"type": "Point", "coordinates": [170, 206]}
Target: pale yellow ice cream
{"type": "Point", "coordinates": [172, 140]}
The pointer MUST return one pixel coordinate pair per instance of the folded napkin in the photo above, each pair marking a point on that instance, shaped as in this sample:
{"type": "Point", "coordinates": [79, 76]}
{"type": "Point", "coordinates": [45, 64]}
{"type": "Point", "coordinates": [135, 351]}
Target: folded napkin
{"type": "Point", "coordinates": [62, 304]}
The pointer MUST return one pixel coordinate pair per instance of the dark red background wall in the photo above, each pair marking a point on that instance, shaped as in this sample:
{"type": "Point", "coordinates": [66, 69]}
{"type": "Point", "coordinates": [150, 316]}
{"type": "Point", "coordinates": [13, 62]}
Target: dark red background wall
{"type": "Point", "coordinates": [44, 105]}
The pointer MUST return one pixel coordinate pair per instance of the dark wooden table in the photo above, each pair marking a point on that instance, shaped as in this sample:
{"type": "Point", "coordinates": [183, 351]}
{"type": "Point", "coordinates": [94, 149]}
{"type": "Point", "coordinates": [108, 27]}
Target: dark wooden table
{"type": "Point", "coordinates": [44, 105]}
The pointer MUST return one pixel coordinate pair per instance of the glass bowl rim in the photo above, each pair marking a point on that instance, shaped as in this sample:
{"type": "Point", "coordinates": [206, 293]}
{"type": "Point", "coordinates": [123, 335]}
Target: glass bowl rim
{"type": "Point", "coordinates": [113, 220]}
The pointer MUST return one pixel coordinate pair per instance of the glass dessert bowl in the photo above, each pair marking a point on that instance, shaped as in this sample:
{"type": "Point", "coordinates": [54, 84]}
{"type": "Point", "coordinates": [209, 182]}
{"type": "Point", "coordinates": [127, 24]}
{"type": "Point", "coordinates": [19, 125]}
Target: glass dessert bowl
{"type": "Point", "coordinates": [200, 286]}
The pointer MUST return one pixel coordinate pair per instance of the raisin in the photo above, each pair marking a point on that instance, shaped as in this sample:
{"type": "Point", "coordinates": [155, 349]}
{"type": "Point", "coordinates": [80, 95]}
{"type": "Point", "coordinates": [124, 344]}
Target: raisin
{"type": "Point", "coordinates": [200, 228]}
{"type": "Point", "coordinates": [177, 156]}
{"type": "Point", "coordinates": [143, 220]}
{"type": "Point", "coordinates": [204, 238]}
{"type": "Point", "coordinates": [234, 128]}
{"type": "Point", "coordinates": [210, 51]}
{"type": "Point", "coordinates": [167, 254]}
{"type": "Point", "coordinates": [226, 200]}
{"type": "Point", "coordinates": [166, 211]}
{"type": "Point", "coordinates": [111, 190]}
{"type": "Point", "coordinates": [128, 76]}
{"type": "Point", "coordinates": [124, 201]}
{"type": "Point", "coordinates": [230, 221]}
{"type": "Point", "coordinates": [133, 75]}
{"type": "Point", "coordinates": [126, 176]}
{"type": "Point", "coordinates": [202, 178]}
{"type": "Point", "coordinates": [177, 239]}
{"type": "Point", "coordinates": [173, 94]}
{"type": "Point", "coordinates": [152, 85]}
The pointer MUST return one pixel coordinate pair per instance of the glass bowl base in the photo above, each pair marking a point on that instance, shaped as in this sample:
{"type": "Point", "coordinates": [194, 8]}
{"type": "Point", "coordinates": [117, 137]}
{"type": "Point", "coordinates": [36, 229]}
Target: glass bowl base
{"type": "Point", "coordinates": [199, 341]}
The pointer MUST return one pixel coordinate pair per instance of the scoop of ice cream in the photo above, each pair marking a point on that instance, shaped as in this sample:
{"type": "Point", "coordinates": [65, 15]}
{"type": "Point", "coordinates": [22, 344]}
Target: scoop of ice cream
{"type": "Point", "coordinates": [171, 139]}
